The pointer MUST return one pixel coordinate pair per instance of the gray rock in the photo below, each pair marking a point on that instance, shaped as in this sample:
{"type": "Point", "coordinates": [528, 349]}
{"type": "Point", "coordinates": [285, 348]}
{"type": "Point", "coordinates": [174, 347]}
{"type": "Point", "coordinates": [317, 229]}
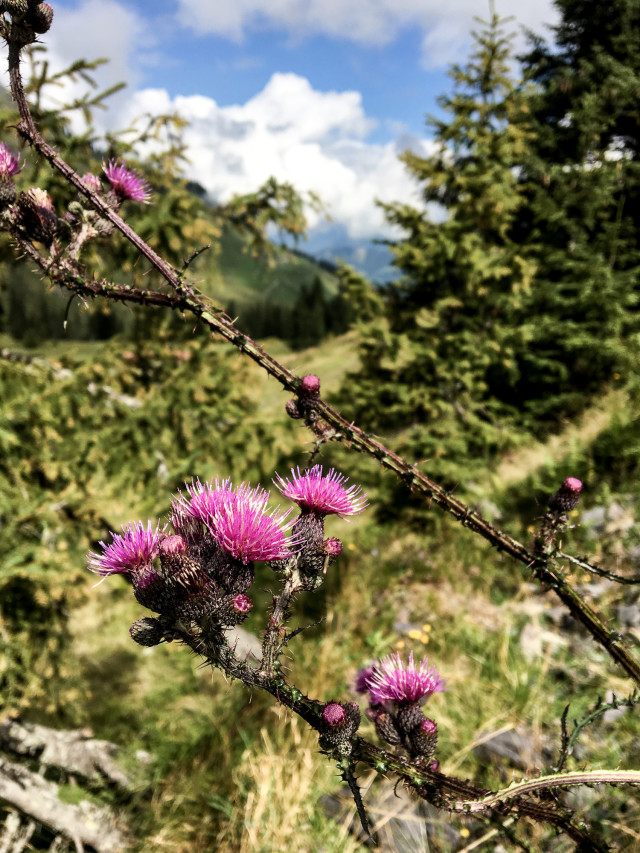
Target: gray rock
{"type": "Point", "coordinates": [619, 519]}
{"type": "Point", "coordinates": [400, 823]}
{"type": "Point", "coordinates": [633, 556]}
{"type": "Point", "coordinates": [246, 644]}
{"type": "Point", "coordinates": [516, 748]}
{"type": "Point", "coordinates": [595, 518]}
{"type": "Point", "coordinates": [628, 615]}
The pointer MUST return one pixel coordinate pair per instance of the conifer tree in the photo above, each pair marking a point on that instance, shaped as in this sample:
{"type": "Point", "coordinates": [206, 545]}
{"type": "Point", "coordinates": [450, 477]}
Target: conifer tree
{"type": "Point", "coordinates": [309, 316]}
{"type": "Point", "coordinates": [583, 184]}
{"type": "Point", "coordinates": [448, 335]}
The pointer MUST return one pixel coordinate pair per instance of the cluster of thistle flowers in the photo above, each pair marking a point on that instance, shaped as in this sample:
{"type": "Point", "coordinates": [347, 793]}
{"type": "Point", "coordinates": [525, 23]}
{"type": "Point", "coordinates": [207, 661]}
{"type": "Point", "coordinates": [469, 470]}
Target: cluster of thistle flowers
{"type": "Point", "coordinates": [33, 211]}
{"type": "Point", "coordinates": [201, 572]}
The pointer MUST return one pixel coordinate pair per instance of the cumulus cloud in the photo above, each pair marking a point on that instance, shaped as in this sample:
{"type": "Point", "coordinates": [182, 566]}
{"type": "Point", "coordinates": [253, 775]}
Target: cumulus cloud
{"type": "Point", "coordinates": [97, 29]}
{"type": "Point", "coordinates": [319, 141]}
{"type": "Point", "coordinates": [315, 140]}
{"type": "Point", "coordinates": [445, 26]}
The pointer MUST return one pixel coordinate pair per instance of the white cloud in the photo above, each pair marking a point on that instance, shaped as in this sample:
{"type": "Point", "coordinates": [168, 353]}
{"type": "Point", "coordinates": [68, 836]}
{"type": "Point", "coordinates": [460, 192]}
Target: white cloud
{"type": "Point", "coordinates": [97, 29]}
{"type": "Point", "coordinates": [315, 140]}
{"type": "Point", "coordinates": [445, 26]}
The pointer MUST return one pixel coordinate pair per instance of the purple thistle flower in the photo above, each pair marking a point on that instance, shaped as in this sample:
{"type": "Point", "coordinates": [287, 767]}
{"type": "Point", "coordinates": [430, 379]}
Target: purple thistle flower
{"type": "Point", "coordinates": [9, 162]}
{"type": "Point", "coordinates": [573, 484]}
{"type": "Point", "coordinates": [205, 501]}
{"type": "Point", "coordinates": [128, 552]}
{"type": "Point", "coordinates": [320, 494]}
{"type": "Point", "coordinates": [243, 528]}
{"type": "Point", "coordinates": [395, 681]}
{"type": "Point", "coordinates": [127, 183]}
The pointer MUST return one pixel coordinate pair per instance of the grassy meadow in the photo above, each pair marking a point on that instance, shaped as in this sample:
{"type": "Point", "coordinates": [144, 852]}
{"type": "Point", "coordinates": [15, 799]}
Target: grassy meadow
{"type": "Point", "coordinates": [229, 771]}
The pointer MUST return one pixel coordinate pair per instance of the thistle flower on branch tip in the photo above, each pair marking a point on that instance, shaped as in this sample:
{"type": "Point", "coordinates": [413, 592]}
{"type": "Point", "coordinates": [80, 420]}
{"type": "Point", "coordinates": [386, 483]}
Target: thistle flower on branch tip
{"type": "Point", "coordinates": [244, 528]}
{"type": "Point", "coordinates": [134, 548]}
{"type": "Point", "coordinates": [394, 681]}
{"type": "Point", "coordinates": [127, 183]}
{"type": "Point", "coordinates": [322, 494]}
{"type": "Point", "coordinates": [567, 497]}
{"type": "Point", "coordinates": [237, 519]}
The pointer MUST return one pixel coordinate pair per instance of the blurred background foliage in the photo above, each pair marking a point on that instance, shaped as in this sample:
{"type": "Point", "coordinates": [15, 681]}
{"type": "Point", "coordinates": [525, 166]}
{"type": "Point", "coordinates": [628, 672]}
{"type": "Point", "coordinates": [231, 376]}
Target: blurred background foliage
{"type": "Point", "coordinates": [504, 358]}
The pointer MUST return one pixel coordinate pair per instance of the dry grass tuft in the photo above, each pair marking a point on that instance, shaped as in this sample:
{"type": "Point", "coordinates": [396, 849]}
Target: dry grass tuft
{"type": "Point", "coordinates": [278, 781]}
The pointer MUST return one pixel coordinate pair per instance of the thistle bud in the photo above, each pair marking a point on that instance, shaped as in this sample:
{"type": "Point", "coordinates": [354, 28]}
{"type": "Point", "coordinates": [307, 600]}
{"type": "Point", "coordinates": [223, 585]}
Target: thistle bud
{"type": "Point", "coordinates": [409, 716]}
{"type": "Point", "coordinates": [292, 409]}
{"type": "Point", "coordinates": [37, 216]}
{"type": "Point", "coordinates": [567, 496]}
{"type": "Point", "coordinates": [9, 166]}
{"type": "Point", "coordinates": [385, 726]}
{"type": "Point", "coordinates": [332, 547]}
{"type": "Point", "coordinates": [8, 191]}
{"type": "Point", "coordinates": [40, 18]}
{"type": "Point", "coordinates": [242, 604]}
{"type": "Point", "coordinates": [147, 631]}
{"type": "Point", "coordinates": [151, 591]}
{"type": "Point", "coordinates": [310, 385]}
{"type": "Point", "coordinates": [340, 723]}
{"type": "Point", "coordinates": [91, 182]}
{"type": "Point", "coordinates": [424, 739]}
{"type": "Point", "coordinates": [177, 566]}
{"type": "Point", "coordinates": [334, 715]}
{"type": "Point", "coordinates": [15, 7]}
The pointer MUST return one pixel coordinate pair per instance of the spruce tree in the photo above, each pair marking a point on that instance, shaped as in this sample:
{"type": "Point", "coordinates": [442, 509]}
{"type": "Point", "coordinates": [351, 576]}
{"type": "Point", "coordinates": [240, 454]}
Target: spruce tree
{"type": "Point", "coordinates": [583, 185]}
{"type": "Point", "coordinates": [428, 366]}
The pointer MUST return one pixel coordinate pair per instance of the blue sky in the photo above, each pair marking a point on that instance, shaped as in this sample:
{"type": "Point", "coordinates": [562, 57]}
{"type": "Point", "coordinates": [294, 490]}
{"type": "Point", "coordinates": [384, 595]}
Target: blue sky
{"type": "Point", "coordinates": [323, 93]}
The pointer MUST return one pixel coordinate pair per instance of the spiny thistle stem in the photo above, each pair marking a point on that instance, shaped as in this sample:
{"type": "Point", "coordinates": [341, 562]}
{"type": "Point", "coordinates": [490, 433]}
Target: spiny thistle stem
{"type": "Point", "coordinates": [346, 769]}
{"type": "Point", "coordinates": [456, 795]}
{"type": "Point", "coordinates": [274, 637]}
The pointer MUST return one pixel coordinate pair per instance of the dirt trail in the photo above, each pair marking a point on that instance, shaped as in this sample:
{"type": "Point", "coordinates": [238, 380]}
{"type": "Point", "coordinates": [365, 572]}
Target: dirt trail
{"type": "Point", "coordinates": [517, 465]}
